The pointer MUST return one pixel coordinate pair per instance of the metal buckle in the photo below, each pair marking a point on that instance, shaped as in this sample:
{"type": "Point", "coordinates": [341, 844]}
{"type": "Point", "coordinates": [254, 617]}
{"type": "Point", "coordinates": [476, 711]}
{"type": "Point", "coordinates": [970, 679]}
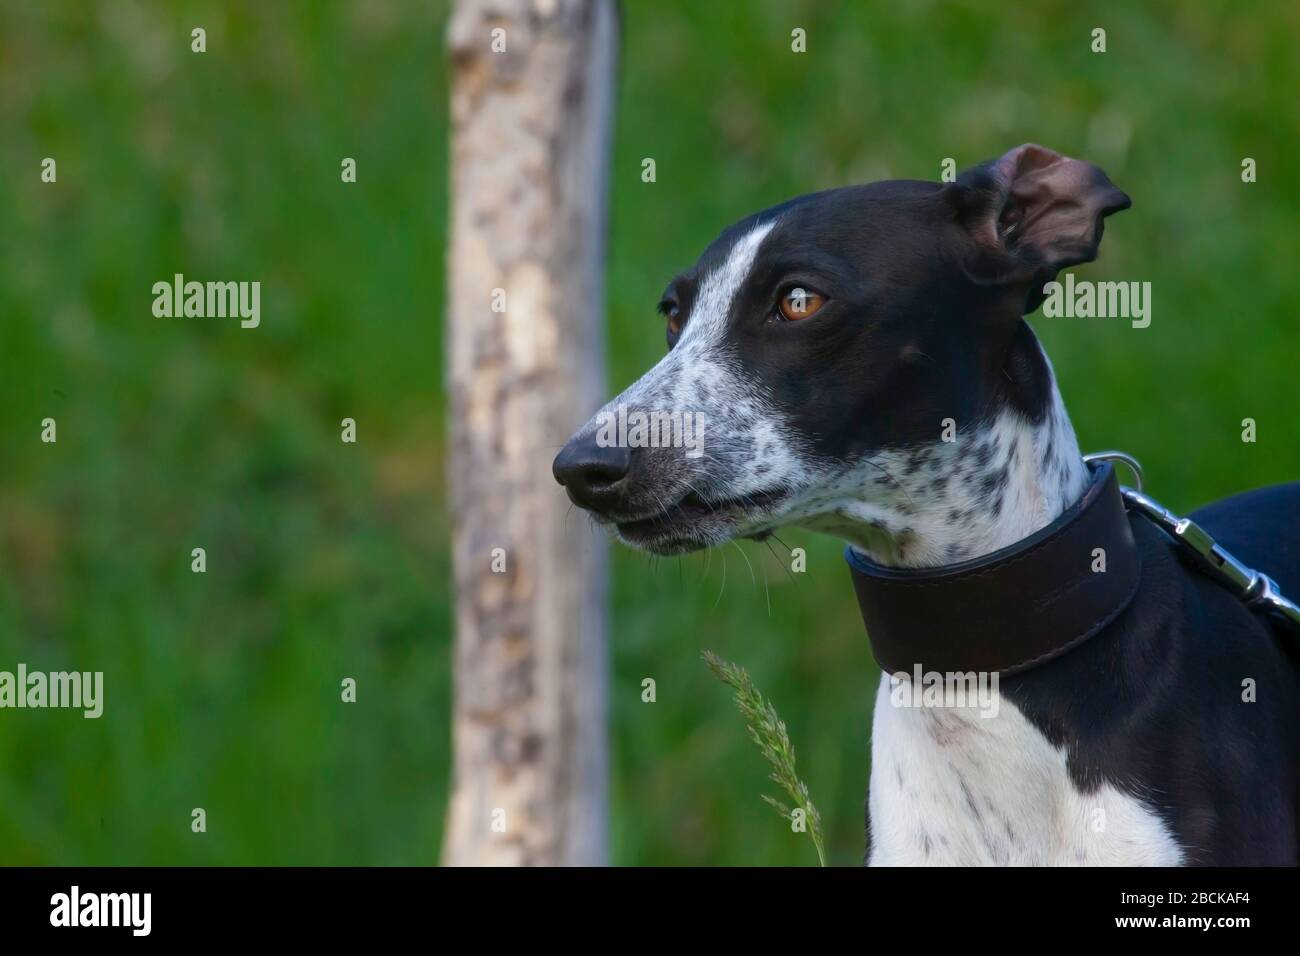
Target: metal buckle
{"type": "Point", "coordinates": [1272, 600]}
{"type": "Point", "coordinates": [1255, 588]}
{"type": "Point", "coordinates": [1124, 458]}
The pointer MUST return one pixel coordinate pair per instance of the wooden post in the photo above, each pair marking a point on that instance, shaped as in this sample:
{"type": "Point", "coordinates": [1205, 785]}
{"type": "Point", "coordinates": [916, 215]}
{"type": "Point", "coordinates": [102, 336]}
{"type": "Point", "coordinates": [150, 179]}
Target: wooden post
{"type": "Point", "coordinates": [531, 102]}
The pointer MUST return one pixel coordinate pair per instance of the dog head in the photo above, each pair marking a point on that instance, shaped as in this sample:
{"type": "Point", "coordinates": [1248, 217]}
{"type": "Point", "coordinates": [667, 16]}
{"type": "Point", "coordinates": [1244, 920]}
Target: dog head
{"type": "Point", "coordinates": [815, 338]}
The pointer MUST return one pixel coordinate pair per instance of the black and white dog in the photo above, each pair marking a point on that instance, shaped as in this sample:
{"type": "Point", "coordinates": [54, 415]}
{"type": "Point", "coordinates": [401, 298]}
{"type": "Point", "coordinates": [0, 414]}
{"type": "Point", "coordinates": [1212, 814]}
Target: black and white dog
{"type": "Point", "coordinates": [825, 342]}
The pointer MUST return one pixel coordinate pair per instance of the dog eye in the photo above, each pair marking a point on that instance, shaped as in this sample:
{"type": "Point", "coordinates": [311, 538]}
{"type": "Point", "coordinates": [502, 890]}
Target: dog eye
{"type": "Point", "coordinates": [799, 303]}
{"type": "Point", "coordinates": [673, 314]}
{"type": "Point", "coordinates": [674, 320]}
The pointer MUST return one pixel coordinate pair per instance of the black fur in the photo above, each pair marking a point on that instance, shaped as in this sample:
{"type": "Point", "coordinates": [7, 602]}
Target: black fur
{"type": "Point", "coordinates": [904, 329]}
{"type": "Point", "coordinates": [1164, 717]}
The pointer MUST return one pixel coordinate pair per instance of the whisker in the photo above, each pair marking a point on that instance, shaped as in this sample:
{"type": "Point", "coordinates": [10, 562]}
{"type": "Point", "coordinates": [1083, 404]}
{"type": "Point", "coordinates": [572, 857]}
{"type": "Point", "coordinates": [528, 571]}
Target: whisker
{"type": "Point", "coordinates": [788, 573]}
{"type": "Point", "coordinates": [746, 557]}
{"type": "Point", "coordinates": [892, 480]}
{"type": "Point", "coordinates": [724, 580]}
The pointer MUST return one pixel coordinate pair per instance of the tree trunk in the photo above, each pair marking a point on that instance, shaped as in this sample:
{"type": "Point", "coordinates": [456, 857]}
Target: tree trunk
{"type": "Point", "coordinates": [530, 145]}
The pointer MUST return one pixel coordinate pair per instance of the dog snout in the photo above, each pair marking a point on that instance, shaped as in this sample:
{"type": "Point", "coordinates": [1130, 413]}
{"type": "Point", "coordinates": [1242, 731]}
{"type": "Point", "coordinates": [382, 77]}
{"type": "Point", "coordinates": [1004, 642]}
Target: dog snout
{"type": "Point", "coordinates": [591, 472]}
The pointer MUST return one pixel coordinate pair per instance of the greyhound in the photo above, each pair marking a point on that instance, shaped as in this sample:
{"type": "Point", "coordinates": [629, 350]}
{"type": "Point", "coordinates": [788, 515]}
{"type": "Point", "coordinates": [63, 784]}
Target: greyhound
{"type": "Point", "coordinates": [859, 364]}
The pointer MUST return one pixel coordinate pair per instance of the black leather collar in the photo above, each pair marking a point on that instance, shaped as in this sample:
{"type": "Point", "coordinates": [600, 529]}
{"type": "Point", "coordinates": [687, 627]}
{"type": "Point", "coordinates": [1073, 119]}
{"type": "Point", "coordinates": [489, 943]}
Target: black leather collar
{"type": "Point", "coordinates": [1010, 610]}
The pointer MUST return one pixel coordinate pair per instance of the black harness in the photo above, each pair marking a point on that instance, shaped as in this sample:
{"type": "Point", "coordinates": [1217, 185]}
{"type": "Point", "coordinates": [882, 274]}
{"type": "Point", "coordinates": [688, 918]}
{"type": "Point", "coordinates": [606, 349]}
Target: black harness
{"type": "Point", "coordinates": [1031, 602]}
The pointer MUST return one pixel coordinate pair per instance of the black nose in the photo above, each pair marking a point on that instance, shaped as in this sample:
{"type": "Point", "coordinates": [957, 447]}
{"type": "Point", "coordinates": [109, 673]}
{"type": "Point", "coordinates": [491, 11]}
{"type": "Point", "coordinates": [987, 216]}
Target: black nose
{"type": "Point", "coordinates": [591, 472]}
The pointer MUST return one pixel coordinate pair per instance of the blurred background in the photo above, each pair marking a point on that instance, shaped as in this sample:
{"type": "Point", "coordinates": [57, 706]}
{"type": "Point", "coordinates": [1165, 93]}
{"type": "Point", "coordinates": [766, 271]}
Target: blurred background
{"type": "Point", "coordinates": [328, 560]}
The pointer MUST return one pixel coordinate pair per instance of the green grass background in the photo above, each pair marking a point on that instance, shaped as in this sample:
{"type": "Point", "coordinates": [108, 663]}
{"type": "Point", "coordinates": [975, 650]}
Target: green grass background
{"type": "Point", "coordinates": [328, 560]}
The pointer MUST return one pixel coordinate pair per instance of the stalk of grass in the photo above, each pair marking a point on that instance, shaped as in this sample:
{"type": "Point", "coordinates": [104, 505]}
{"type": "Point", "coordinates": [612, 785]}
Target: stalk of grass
{"type": "Point", "coordinates": [768, 731]}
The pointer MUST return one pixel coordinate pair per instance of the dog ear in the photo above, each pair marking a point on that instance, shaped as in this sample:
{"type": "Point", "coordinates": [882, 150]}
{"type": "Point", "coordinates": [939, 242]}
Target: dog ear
{"type": "Point", "coordinates": [1031, 213]}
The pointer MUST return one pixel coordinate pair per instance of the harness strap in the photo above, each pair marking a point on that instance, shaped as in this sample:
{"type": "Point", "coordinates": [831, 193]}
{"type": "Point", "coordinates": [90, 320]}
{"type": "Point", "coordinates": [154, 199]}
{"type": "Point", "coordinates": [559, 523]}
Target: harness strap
{"type": "Point", "coordinates": [1015, 608]}
{"type": "Point", "coordinates": [1030, 602]}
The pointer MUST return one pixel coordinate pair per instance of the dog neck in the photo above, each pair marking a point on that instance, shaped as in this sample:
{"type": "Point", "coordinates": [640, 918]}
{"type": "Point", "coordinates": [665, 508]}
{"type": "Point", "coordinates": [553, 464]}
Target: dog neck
{"type": "Point", "coordinates": [991, 485]}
